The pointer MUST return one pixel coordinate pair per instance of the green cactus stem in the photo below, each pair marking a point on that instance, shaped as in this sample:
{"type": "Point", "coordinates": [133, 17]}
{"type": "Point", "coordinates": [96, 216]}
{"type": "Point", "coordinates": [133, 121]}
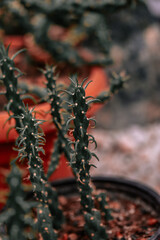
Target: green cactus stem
{"type": "Point", "coordinates": [103, 205]}
{"type": "Point", "coordinates": [62, 144]}
{"type": "Point", "coordinates": [81, 160]}
{"type": "Point", "coordinates": [16, 106]}
{"type": "Point", "coordinates": [18, 216]}
{"type": "Point", "coordinates": [56, 102]}
{"type": "Point", "coordinates": [9, 78]}
{"type": "Point", "coordinates": [29, 144]}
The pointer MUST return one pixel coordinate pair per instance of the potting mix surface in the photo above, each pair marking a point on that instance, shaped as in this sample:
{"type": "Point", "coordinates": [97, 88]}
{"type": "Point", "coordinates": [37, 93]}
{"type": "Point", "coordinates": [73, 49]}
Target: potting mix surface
{"type": "Point", "coordinates": [132, 219]}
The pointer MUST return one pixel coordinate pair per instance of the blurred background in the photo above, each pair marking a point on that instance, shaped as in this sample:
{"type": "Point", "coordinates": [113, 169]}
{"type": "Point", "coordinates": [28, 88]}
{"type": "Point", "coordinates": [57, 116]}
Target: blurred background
{"type": "Point", "coordinates": [135, 48]}
{"type": "Point", "coordinates": [128, 131]}
{"type": "Point", "coordinates": [121, 37]}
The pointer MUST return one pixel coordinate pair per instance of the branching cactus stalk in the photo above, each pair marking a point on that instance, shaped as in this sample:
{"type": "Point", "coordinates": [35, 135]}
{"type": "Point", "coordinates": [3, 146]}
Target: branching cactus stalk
{"type": "Point", "coordinates": [29, 146]}
{"type": "Point", "coordinates": [62, 144]}
{"type": "Point", "coordinates": [57, 107]}
{"type": "Point", "coordinates": [15, 103]}
{"type": "Point", "coordinates": [81, 160]}
{"type": "Point", "coordinates": [18, 215]}
{"type": "Point", "coordinates": [25, 118]}
{"type": "Point", "coordinates": [31, 140]}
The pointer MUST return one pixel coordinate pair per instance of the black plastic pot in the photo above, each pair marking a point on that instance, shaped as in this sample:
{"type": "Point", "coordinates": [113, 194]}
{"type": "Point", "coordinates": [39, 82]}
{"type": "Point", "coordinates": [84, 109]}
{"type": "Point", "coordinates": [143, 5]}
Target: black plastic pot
{"type": "Point", "coordinates": [130, 188]}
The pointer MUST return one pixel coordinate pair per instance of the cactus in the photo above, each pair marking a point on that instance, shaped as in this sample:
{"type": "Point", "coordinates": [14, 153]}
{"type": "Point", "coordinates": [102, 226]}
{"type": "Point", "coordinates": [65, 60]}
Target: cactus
{"type": "Point", "coordinates": [31, 140]}
{"type": "Point", "coordinates": [17, 217]}
{"type": "Point", "coordinates": [80, 161]}
{"type": "Point", "coordinates": [29, 146]}
{"type": "Point", "coordinates": [24, 118]}
{"type": "Point", "coordinates": [56, 102]}
{"type": "Point", "coordinates": [9, 79]}
{"type": "Point", "coordinates": [62, 144]}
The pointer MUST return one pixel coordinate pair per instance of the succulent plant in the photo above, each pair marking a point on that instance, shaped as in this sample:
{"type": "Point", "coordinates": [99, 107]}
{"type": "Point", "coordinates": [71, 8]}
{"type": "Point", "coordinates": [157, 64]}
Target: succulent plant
{"type": "Point", "coordinates": [31, 140]}
{"type": "Point", "coordinates": [81, 158]}
{"type": "Point", "coordinates": [17, 215]}
{"type": "Point", "coordinates": [57, 111]}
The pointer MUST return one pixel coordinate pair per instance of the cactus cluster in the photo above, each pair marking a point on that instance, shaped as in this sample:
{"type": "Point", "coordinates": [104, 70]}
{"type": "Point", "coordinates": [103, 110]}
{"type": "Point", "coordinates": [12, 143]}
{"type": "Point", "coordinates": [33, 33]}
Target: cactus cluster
{"type": "Point", "coordinates": [30, 144]}
{"type": "Point", "coordinates": [62, 144]}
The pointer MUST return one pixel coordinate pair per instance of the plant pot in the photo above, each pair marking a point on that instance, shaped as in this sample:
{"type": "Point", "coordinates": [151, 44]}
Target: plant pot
{"type": "Point", "coordinates": [130, 188]}
{"type": "Point", "coordinates": [36, 52]}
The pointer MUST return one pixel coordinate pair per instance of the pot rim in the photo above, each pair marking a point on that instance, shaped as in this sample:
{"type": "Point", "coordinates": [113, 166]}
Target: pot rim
{"type": "Point", "coordinates": [114, 180]}
{"type": "Point", "coordinates": [145, 192]}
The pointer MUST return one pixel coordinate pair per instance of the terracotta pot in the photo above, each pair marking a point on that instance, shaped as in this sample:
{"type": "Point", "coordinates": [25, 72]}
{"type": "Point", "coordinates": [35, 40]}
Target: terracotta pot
{"type": "Point", "coordinates": [37, 53]}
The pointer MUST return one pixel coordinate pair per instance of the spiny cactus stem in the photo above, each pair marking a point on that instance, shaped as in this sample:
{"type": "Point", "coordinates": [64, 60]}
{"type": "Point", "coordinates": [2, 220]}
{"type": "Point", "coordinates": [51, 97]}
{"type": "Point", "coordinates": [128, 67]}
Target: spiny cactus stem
{"type": "Point", "coordinates": [81, 161]}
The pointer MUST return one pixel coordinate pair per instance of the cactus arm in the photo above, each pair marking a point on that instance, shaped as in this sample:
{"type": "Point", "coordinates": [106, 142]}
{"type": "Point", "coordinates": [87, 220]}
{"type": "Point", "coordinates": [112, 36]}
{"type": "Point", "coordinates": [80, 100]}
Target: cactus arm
{"type": "Point", "coordinates": [55, 100]}
{"type": "Point", "coordinates": [28, 142]}
{"type": "Point", "coordinates": [81, 165]}
{"type": "Point", "coordinates": [16, 216]}
{"type": "Point", "coordinates": [101, 198]}
{"type": "Point", "coordinates": [23, 118]}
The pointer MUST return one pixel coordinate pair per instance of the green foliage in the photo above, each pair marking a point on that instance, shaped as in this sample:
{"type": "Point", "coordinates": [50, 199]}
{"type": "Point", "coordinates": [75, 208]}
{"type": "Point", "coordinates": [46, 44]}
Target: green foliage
{"type": "Point", "coordinates": [17, 216]}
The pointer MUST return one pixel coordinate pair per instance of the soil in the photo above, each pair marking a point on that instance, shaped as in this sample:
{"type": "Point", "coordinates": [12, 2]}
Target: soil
{"type": "Point", "coordinates": [132, 219]}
